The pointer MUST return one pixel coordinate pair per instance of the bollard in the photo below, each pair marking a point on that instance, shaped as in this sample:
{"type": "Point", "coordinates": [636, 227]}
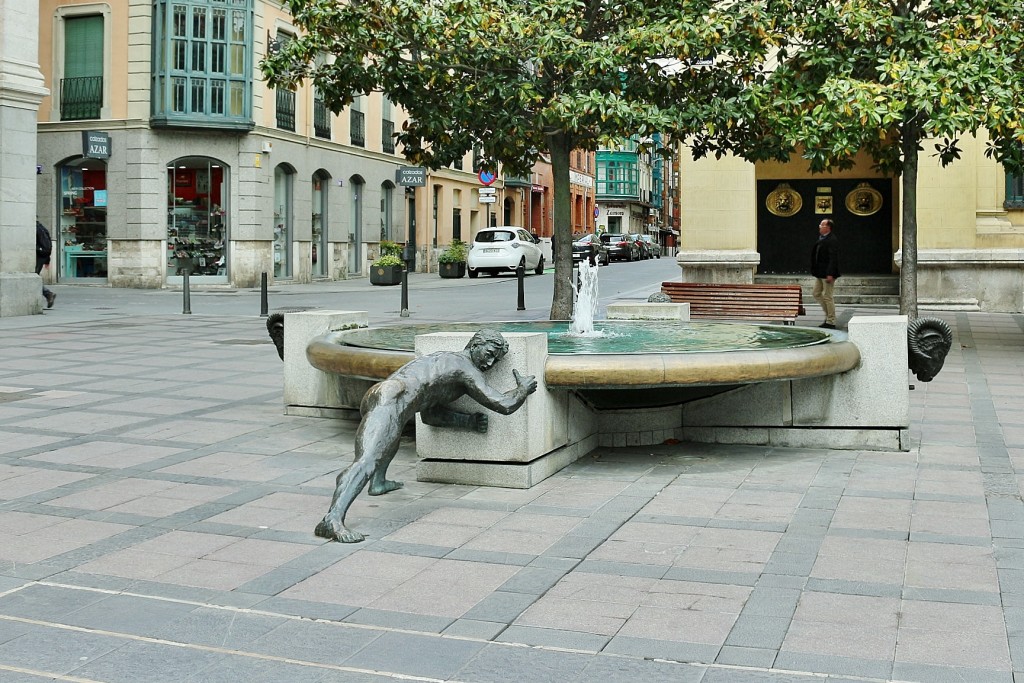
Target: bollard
{"type": "Point", "coordinates": [405, 291]}
{"type": "Point", "coordinates": [186, 301]}
{"type": "Point", "coordinates": [264, 307]}
{"type": "Point", "coordinates": [521, 276]}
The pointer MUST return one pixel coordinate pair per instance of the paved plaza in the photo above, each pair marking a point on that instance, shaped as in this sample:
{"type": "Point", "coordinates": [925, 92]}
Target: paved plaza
{"type": "Point", "coordinates": [157, 512]}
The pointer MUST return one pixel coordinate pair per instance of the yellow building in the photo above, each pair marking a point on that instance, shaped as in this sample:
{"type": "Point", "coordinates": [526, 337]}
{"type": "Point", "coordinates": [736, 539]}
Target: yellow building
{"type": "Point", "coordinates": [741, 222]}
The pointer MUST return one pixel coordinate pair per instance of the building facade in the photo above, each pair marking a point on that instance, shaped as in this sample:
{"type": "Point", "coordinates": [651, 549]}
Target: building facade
{"type": "Point", "coordinates": [163, 152]}
{"type": "Point", "coordinates": [630, 187]}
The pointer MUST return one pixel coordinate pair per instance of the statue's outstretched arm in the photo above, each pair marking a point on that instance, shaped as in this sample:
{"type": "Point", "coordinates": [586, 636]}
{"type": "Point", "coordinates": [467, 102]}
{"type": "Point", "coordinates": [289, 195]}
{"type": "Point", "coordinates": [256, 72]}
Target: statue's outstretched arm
{"type": "Point", "coordinates": [504, 403]}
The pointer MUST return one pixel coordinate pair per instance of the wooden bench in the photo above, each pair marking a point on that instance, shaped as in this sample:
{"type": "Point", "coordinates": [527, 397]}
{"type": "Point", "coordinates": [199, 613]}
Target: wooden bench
{"type": "Point", "coordinates": [777, 303]}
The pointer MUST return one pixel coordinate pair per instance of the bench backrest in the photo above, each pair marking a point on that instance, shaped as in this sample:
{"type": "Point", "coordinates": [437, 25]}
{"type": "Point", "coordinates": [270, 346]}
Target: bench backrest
{"type": "Point", "coordinates": [728, 301]}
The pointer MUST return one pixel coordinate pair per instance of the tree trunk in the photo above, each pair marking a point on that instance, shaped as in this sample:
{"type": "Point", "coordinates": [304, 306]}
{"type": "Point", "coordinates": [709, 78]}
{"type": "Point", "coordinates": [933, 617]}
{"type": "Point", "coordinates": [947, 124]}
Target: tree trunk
{"type": "Point", "coordinates": [908, 268]}
{"type": "Point", "coordinates": [559, 146]}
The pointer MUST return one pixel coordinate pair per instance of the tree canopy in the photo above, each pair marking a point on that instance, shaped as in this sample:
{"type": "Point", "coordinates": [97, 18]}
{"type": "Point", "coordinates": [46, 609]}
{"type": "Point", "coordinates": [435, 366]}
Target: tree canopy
{"type": "Point", "coordinates": [517, 79]}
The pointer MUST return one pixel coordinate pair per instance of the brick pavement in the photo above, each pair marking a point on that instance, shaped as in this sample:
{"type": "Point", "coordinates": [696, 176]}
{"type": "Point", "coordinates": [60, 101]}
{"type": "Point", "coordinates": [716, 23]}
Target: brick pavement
{"type": "Point", "coordinates": [156, 516]}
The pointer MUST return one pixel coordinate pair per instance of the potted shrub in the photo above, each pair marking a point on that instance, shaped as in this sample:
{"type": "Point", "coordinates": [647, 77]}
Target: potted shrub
{"type": "Point", "coordinates": [452, 261]}
{"type": "Point", "coordinates": [387, 269]}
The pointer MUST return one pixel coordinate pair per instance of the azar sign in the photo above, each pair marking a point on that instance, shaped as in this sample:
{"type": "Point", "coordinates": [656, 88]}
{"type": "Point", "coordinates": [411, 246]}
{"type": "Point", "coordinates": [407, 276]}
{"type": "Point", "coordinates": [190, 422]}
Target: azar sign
{"type": "Point", "coordinates": [95, 145]}
{"type": "Point", "coordinates": [411, 176]}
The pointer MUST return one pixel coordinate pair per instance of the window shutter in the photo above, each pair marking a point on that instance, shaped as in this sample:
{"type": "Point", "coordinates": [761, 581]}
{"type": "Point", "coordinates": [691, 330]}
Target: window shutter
{"type": "Point", "coordinates": [83, 46]}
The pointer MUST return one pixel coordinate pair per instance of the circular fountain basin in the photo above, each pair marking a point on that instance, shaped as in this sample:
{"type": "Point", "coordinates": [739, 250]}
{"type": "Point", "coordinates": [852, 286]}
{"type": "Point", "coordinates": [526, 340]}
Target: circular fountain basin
{"type": "Point", "coordinates": [630, 363]}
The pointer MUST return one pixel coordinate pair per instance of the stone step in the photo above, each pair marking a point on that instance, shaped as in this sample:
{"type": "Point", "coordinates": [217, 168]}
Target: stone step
{"type": "Point", "coordinates": [867, 290]}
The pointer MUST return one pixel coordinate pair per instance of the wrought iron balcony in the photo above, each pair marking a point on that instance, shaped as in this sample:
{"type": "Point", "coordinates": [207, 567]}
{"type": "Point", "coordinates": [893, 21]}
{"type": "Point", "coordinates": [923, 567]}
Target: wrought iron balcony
{"type": "Point", "coordinates": [357, 128]}
{"type": "Point", "coordinates": [321, 119]}
{"type": "Point", "coordinates": [387, 131]}
{"type": "Point", "coordinates": [81, 98]}
{"type": "Point", "coordinates": [286, 109]}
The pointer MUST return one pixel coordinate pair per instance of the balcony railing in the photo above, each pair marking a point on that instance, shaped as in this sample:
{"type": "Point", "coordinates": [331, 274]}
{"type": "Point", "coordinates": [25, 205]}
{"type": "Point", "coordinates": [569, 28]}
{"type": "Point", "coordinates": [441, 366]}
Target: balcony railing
{"type": "Point", "coordinates": [81, 98]}
{"type": "Point", "coordinates": [321, 120]}
{"type": "Point", "coordinates": [387, 131]}
{"type": "Point", "coordinates": [286, 109]}
{"type": "Point", "coordinates": [357, 128]}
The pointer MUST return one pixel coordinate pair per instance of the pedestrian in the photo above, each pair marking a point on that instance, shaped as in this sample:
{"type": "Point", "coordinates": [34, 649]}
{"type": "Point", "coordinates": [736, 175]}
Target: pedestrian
{"type": "Point", "coordinates": [44, 247]}
{"type": "Point", "coordinates": [825, 269]}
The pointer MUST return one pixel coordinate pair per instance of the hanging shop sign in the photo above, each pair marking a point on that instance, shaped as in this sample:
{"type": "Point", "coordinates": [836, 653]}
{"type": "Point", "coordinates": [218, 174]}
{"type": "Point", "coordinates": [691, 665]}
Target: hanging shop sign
{"type": "Point", "coordinates": [95, 144]}
{"type": "Point", "coordinates": [411, 176]}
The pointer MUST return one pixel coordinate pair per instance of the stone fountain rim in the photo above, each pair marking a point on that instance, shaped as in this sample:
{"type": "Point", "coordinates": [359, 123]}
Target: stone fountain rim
{"type": "Point", "coordinates": [329, 353]}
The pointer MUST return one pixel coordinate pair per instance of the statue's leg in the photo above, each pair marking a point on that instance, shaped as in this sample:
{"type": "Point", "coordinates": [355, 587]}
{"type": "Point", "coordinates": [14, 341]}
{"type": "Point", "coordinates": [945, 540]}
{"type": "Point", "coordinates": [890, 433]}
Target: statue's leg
{"type": "Point", "coordinates": [349, 483]}
{"type": "Point", "coordinates": [378, 483]}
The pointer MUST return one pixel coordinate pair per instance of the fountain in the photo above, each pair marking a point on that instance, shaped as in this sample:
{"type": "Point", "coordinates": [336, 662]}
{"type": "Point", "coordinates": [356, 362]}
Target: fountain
{"type": "Point", "coordinates": [620, 382]}
{"type": "Point", "coordinates": [585, 299]}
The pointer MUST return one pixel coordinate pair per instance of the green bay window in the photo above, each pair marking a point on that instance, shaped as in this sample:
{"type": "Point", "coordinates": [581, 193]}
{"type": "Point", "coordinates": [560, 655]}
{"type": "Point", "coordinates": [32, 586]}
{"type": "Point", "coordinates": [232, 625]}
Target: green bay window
{"type": "Point", "coordinates": [203, 63]}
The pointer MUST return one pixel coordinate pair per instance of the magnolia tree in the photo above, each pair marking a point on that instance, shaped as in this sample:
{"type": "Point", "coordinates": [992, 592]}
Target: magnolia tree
{"type": "Point", "coordinates": [884, 77]}
{"type": "Point", "coordinates": [518, 79]}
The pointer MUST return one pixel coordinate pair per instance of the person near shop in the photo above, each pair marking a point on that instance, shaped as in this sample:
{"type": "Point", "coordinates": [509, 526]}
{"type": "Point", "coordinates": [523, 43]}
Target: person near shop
{"type": "Point", "coordinates": [825, 269]}
{"type": "Point", "coordinates": [44, 247]}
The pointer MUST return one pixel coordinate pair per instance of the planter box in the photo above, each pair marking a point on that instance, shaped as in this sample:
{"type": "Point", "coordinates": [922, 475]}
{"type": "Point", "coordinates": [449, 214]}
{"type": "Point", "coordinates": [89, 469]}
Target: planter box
{"type": "Point", "coordinates": [386, 275]}
{"type": "Point", "coordinates": [452, 269]}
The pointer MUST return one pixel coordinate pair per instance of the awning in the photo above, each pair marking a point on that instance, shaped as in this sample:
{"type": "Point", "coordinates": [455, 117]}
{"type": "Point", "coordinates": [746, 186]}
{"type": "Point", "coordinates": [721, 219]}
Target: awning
{"type": "Point", "coordinates": [670, 231]}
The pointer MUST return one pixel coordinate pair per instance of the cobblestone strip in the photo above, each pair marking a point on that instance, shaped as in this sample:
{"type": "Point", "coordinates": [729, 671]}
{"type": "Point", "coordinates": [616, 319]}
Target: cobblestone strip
{"type": "Point", "coordinates": [1002, 495]}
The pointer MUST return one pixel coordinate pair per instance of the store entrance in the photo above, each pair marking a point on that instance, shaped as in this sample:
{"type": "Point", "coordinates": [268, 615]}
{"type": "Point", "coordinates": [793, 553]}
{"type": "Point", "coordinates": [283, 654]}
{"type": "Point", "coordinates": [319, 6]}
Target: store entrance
{"type": "Point", "coordinates": [82, 234]}
{"type": "Point", "coordinates": [197, 235]}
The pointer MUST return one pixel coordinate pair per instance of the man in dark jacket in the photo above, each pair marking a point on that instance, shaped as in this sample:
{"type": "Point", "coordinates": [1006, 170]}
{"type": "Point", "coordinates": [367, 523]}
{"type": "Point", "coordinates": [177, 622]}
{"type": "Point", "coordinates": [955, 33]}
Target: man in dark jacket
{"type": "Point", "coordinates": [44, 246]}
{"type": "Point", "coordinates": [825, 269]}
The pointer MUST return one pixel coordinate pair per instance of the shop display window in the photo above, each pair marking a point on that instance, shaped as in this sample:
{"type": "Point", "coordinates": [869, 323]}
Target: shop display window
{"type": "Point", "coordinates": [83, 219]}
{"type": "Point", "coordinates": [196, 220]}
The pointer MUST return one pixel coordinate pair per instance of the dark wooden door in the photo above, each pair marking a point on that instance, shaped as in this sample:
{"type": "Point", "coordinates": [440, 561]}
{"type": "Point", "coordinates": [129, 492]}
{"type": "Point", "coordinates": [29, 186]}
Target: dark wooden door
{"type": "Point", "coordinates": [865, 242]}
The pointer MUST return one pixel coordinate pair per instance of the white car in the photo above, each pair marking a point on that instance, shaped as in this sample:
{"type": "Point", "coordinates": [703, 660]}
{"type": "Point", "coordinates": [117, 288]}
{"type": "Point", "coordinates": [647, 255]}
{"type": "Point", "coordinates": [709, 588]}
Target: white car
{"type": "Point", "coordinates": [503, 249]}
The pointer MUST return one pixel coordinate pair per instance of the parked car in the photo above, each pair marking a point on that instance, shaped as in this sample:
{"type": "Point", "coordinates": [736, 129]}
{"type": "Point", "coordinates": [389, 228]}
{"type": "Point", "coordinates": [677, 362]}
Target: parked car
{"type": "Point", "coordinates": [621, 246]}
{"type": "Point", "coordinates": [641, 246]}
{"type": "Point", "coordinates": [652, 245]}
{"type": "Point", "coordinates": [592, 248]}
{"type": "Point", "coordinates": [502, 250]}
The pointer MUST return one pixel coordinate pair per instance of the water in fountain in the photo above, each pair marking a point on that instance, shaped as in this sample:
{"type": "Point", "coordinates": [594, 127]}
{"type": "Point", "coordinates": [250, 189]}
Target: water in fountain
{"type": "Point", "coordinates": [584, 302]}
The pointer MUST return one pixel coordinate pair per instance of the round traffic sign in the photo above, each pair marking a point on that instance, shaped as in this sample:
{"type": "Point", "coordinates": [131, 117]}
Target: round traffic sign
{"type": "Point", "coordinates": [487, 177]}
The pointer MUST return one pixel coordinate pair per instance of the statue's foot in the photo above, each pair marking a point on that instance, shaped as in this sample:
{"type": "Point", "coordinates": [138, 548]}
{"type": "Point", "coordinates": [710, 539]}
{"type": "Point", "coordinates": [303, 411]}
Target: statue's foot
{"type": "Point", "coordinates": [339, 532]}
{"type": "Point", "coordinates": [379, 488]}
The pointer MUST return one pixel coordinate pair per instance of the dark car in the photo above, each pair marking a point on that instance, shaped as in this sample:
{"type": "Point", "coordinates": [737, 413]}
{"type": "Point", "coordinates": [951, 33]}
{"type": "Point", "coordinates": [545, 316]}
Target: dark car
{"type": "Point", "coordinates": [621, 246]}
{"type": "Point", "coordinates": [653, 248]}
{"type": "Point", "coordinates": [590, 247]}
{"type": "Point", "coordinates": [645, 252]}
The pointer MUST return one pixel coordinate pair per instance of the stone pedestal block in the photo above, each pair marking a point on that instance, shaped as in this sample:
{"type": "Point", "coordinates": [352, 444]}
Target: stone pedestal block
{"type": "Point", "coordinates": [632, 310]}
{"type": "Point", "coordinates": [306, 388]}
{"type": "Point", "coordinates": [718, 265]}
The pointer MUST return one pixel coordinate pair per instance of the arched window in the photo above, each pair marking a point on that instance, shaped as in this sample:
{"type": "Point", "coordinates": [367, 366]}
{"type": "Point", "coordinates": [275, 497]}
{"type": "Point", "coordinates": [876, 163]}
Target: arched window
{"type": "Point", "coordinates": [197, 218]}
{"type": "Point", "coordinates": [284, 176]}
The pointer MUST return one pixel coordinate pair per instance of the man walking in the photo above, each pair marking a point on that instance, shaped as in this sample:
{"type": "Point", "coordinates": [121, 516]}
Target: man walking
{"type": "Point", "coordinates": [44, 247]}
{"type": "Point", "coordinates": [825, 269]}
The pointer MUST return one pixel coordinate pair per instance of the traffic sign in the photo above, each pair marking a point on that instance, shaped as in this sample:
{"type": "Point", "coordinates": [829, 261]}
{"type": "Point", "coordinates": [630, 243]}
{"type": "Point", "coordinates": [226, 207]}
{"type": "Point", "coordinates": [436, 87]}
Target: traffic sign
{"type": "Point", "coordinates": [488, 199]}
{"type": "Point", "coordinates": [486, 190]}
{"type": "Point", "coordinates": [487, 177]}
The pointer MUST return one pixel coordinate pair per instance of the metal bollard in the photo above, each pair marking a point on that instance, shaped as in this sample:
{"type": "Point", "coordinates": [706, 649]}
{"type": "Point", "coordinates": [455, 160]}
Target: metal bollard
{"type": "Point", "coordinates": [264, 305]}
{"type": "Point", "coordinates": [521, 276]}
{"type": "Point", "coordinates": [405, 291]}
{"type": "Point", "coordinates": [186, 300]}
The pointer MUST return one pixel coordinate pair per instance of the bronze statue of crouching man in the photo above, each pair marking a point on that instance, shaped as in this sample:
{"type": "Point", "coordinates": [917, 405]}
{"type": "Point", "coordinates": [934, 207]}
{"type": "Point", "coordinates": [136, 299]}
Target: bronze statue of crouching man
{"type": "Point", "coordinates": [425, 385]}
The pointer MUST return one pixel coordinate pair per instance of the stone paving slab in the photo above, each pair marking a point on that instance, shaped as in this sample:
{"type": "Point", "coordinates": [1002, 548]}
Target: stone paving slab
{"type": "Point", "coordinates": [156, 515]}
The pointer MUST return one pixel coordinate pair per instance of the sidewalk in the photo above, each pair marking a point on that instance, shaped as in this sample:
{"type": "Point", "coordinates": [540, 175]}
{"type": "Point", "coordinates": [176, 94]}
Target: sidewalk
{"type": "Point", "coordinates": [157, 509]}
